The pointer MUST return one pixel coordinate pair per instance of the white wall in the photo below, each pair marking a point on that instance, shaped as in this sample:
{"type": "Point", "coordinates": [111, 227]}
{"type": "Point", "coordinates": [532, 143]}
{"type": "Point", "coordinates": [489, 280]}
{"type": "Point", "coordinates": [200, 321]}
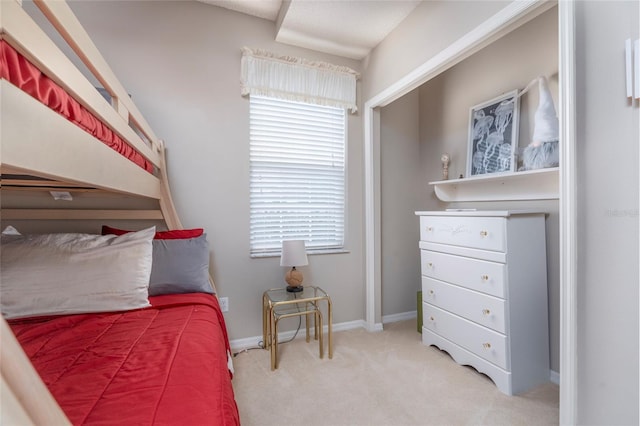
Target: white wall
{"type": "Point", "coordinates": [180, 60]}
{"type": "Point", "coordinates": [507, 64]}
{"type": "Point", "coordinates": [401, 193]}
{"type": "Point", "coordinates": [607, 228]}
{"type": "Point", "coordinates": [430, 28]}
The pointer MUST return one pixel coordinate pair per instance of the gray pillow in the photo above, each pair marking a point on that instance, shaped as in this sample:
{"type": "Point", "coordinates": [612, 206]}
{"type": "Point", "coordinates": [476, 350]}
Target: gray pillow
{"type": "Point", "coordinates": [180, 266]}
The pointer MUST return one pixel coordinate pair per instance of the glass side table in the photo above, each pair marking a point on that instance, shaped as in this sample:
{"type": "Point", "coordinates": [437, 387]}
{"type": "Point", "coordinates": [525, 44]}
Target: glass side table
{"type": "Point", "coordinates": [278, 303]}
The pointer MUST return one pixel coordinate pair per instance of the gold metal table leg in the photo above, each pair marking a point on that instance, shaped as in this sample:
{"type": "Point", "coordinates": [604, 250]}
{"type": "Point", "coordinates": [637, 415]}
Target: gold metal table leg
{"type": "Point", "coordinates": [319, 316]}
{"type": "Point", "coordinates": [307, 317]}
{"type": "Point", "coordinates": [329, 326]}
{"type": "Point", "coordinates": [265, 320]}
{"type": "Point", "coordinates": [273, 339]}
{"type": "Point", "coordinates": [317, 330]}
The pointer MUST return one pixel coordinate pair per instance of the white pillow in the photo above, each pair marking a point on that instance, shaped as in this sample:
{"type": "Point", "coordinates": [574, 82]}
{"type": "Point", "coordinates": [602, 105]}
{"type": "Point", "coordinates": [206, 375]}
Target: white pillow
{"type": "Point", "coordinates": [74, 273]}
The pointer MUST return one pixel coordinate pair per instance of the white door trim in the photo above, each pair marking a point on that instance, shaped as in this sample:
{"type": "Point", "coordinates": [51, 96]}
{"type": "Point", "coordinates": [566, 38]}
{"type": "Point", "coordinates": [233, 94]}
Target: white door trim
{"type": "Point", "coordinates": [568, 215]}
{"type": "Point", "coordinates": [516, 13]}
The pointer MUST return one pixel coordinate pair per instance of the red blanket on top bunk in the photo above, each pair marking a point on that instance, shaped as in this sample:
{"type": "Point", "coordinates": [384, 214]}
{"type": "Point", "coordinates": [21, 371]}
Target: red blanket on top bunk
{"type": "Point", "coordinates": [166, 364]}
{"type": "Point", "coordinates": [16, 69]}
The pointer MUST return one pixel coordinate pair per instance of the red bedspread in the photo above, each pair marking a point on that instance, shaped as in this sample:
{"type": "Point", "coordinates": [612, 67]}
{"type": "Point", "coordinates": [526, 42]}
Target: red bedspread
{"type": "Point", "coordinates": [165, 365]}
{"type": "Point", "coordinates": [16, 69]}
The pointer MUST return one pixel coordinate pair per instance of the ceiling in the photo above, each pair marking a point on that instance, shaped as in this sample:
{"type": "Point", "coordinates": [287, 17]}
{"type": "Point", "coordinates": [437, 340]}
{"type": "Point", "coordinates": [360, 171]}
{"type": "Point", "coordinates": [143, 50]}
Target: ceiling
{"type": "Point", "coordinates": [349, 28]}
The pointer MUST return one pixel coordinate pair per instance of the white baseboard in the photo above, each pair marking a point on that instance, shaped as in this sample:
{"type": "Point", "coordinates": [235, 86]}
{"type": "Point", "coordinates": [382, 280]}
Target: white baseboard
{"type": "Point", "coordinates": [248, 342]}
{"type": "Point", "coordinates": [375, 328]}
{"type": "Point", "coordinates": [251, 342]}
{"type": "Point", "coordinates": [350, 325]}
{"type": "Point", "coordinates": [554, 376]}
{"type": "Point", "coordinates": [386, 319]}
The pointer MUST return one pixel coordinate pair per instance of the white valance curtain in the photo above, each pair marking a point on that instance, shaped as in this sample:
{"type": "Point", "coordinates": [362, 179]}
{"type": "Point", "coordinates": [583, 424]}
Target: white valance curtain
{"type": "Point", "coordinates": [297, 79]}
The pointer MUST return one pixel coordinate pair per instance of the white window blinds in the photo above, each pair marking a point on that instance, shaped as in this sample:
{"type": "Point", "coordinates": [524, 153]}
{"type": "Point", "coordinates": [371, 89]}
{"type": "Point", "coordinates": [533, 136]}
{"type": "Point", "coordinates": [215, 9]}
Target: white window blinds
{"type": "Point", "coordinates": [297, 174]}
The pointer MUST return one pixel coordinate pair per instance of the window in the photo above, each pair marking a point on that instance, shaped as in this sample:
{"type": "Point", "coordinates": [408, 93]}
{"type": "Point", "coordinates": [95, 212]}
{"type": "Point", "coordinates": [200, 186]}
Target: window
{"type": "Point", "coordinates": [297, 175]}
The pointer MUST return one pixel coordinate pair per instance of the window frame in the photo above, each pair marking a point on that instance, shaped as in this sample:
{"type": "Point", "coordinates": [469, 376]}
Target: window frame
{"type": "Point", "coordinates": [339, 244]}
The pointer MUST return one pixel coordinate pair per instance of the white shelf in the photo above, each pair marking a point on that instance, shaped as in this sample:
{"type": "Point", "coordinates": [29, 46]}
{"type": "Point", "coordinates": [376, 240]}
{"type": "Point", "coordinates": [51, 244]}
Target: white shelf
{"type": "Point", "coordinates": [542, 184]}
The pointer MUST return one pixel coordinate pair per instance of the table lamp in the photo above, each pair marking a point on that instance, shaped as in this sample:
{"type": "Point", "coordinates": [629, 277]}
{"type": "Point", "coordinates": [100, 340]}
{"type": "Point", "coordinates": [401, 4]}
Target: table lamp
{"type": "Point", "coordinates": [293, 254]}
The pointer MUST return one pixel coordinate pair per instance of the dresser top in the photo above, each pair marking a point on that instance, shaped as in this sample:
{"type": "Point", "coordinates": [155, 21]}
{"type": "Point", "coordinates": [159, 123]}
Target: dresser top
{"type": "Point", "coordinates": [477, 213]}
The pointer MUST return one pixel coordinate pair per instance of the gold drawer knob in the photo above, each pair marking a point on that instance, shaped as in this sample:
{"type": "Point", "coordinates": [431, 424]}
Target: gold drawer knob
{"type": "Point", "coordinates": [485, 277]}
{"type": "Point", "coordinates": [484, 233]}
{"type": "Point", "coordinates": [486, 345]}
{"type": "Point", "coordinates": [486, 311]}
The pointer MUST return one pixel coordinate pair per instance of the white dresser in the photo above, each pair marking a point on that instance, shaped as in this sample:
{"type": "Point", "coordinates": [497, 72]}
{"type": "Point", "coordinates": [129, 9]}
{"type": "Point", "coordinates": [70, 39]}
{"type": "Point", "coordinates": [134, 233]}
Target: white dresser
{"type": "Point", "coordinates": [484, 292]}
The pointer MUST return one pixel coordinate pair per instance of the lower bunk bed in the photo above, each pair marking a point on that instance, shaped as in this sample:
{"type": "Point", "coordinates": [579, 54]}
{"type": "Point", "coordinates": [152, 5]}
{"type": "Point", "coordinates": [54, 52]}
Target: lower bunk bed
{"type": "Point", "coordinates": [121, 329]}
{"type": "Point", "coordinates": [96, 329]}
{"type": "Point", "coordinates": [166, 364]}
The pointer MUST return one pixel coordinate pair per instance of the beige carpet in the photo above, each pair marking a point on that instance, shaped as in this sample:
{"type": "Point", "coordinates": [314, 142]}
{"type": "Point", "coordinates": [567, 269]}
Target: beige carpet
{"type": "Point", "coordinates": [385, 378]}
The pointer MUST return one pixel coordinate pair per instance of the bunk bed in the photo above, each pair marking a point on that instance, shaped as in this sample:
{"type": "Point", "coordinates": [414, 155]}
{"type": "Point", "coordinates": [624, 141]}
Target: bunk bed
{"type": "Point", "coordinates": [149, 355]}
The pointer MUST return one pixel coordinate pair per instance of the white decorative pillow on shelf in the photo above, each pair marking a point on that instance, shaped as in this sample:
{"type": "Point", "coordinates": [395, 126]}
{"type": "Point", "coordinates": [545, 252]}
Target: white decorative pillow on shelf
{"type": "Point", "coordinates": [53, 274]}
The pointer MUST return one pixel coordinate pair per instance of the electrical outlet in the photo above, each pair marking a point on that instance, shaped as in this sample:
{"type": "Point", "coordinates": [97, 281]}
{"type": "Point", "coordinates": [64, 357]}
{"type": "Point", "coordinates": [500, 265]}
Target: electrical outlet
{"type": "Point", "coordinates": [224, 304]}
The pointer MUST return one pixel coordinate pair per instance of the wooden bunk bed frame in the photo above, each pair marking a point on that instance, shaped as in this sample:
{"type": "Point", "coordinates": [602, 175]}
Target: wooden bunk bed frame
{"type": "Point", "coordinates": [62, 159]}
{"type": "Point", "coordinates": [60, 164]}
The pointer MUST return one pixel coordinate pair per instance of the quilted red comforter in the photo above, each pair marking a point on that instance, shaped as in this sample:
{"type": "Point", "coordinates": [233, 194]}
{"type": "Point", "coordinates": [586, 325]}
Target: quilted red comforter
{"type": "Point", "coordinates": [164, 365]}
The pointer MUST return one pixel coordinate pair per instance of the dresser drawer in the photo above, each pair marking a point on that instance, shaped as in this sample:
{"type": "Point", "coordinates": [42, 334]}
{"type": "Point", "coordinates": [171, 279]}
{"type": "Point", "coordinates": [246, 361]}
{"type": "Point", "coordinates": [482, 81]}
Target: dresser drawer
{"type": "Point", "coordinates": [487, 233]}
{"type": "Point", "coordinates": [480, 308]}
{"type": "Point", "coordinates": [479, 275]}
{"type": "Point", "coordinates": [483, 342]}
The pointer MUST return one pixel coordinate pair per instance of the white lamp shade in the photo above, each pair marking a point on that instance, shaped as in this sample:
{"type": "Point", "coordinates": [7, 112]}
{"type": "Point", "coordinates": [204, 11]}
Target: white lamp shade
{"type": "Point", "coordinates": [293, 253]}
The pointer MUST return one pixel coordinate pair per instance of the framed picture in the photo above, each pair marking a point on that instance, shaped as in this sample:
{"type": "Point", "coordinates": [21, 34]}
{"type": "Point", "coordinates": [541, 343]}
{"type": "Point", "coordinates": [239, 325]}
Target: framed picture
{"type": "Point", "coordinates": [493, 135]}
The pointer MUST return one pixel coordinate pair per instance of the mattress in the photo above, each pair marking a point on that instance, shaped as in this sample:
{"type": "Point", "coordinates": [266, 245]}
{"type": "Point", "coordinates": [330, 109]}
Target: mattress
{"type": "Point", "coordinates": [164, 365]}
{"type": "Point", "coordinates": [17, 70]}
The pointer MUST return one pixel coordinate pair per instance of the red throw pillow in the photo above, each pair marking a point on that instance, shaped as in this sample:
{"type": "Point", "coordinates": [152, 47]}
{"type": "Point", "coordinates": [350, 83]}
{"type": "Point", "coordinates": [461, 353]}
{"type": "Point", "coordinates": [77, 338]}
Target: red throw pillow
{"type": "Point", "coordinates": [177, 234]}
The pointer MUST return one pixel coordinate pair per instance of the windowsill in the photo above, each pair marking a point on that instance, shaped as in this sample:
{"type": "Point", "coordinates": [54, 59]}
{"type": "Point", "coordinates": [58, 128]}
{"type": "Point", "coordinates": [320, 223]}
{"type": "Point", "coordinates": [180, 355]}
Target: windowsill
{"type": "Point", "coordinates": [309, 253]}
